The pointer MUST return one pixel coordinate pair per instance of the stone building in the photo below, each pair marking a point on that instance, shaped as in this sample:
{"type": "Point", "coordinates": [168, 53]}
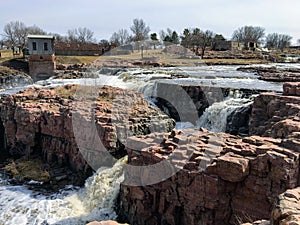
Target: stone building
{"type": "Point", "coordinates": [224, 45]}
{"type": "Point", "coordinates": [41, 56]}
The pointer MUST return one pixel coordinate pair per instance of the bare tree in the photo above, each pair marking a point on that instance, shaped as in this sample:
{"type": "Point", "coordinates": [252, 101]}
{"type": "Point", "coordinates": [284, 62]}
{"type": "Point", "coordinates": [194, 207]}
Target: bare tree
{"type": "Point", "coordinates": [81, 35]}
{"type": "Point", "coordinates": [35, 30]}
{"type": "Point", "coordinates": [140, 30]}
{"type": "Point", "coordinates": [278, 41]}
{"type": "Point", "coordinates": [15, 34]}
{"type": "Point", "coordinates": [59, 37]}
{"type": "Point", "coordinates": [121, 37]}
{"type": "Point", "coordinates": [206, 40]}
{"type": "Point", "coordinates": [196, 38]}
{"type": "Point", "coordinates": [248, 34]}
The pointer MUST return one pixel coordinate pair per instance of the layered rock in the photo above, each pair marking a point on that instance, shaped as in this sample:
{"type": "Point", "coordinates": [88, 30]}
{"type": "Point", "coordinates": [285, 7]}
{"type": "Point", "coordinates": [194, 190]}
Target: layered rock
{"type": "Point", "coordinates": [277, 115]}
{"type": "Point", "coordinates": [274, 73]}
{"type": "Point", "coordinates": [205, 178]}
{"type": "Point", "coordinates": [287, 208]}
{"type": "Point", "coordinates": [41, 121]}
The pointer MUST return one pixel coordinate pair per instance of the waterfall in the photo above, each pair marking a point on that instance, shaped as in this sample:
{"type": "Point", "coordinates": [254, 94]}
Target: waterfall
{"type": "Point", "coordinates": [215, 117]}
{"type": "Point", "coordinates": [70, 206]}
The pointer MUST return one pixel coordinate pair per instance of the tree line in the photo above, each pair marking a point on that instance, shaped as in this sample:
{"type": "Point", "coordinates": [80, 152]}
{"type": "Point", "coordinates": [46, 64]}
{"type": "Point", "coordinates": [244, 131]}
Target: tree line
{"type": "Point", "coordinates": [15, 33]}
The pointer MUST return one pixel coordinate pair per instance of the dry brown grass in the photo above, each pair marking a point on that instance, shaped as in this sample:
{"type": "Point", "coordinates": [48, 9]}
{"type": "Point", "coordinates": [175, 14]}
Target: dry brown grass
{"type": "Point", "coordinates": [75, 59]}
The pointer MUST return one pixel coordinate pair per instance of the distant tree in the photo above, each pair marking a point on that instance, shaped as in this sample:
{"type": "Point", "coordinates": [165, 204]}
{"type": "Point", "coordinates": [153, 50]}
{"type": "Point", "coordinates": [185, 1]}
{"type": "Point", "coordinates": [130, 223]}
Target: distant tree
{"type": "Point", "coordinates": [121, 37]}
{"type": "Point", "coordinates": [248, 34]}
{"type": "Point", "coordinates": [14, 34]}
{"type": "Point", "coordinates": [35, 30]}
{"type": "Point", "coordinates": [59, 37]}
{"type": "Point", "coordinates": [154, 39]}
{"type": "Point", "coordinates": [217, 39]}
{"type": "Point", "coordinates": [278, 41]}
{"type": "Point", "coordinates": [186, 38]}
{"type": "Point", "coordinates": [81, 35]}
{"type": "Point", "coordinates": [298, 41]}
{"type": "Point", "coordinates": [195, 38]}
{"type": "Point", "coordinates": [140, 30]}
{"type": "Point", "coordinates": [169, 36]}
{"type": "Point", "coordinates": [104, 42]}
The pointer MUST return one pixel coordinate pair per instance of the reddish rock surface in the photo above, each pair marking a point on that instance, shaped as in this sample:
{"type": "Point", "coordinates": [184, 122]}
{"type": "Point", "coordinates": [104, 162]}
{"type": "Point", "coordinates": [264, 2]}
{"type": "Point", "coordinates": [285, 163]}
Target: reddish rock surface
{"type": "Point", "coordinates": [224, 180]}
{"type": "Point", "coordinates": [40, 121]}
{"type": "Point", "coordinates": [287, 208]}
{"type": "Point", "coordinates": [277, 116]}
{"type": "Point", "coordinates": [274, 73]}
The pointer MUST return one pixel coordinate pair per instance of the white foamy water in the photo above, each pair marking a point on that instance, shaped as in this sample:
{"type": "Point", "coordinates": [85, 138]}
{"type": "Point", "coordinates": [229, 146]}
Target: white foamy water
{"type": "Point", "coordinates": [19, 205]}
{"type": "Point", "coordinates": [215, 117]}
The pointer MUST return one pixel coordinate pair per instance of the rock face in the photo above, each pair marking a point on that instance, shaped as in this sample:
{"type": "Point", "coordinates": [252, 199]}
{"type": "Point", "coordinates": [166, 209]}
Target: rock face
{"type": "Point", "coordinates": [12, 78]}
{"type": "Point", "coordinates": [274, 73]}
{"type": "Point", "coordinates": [277, 115]}
{"type": "Point", "coordinates": [221, 179]}
{"type": "Point", "coordinates": [40, 121]}
{"type": "Point", "coordinates": [287, 208]}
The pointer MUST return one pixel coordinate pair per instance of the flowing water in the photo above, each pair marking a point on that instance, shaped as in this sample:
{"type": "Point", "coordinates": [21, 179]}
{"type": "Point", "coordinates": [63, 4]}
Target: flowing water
{"type": "Point", "coordinates": [20, 205]}
{"type": "Point", "coordinates": [215, 117]}
{"type": "Point", "coordinates": [71, 206]}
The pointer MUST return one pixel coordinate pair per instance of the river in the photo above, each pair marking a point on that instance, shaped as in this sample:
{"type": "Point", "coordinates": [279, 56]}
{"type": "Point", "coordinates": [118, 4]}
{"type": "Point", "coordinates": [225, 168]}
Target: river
{"type": "Point", "coordinates": [72, 205]}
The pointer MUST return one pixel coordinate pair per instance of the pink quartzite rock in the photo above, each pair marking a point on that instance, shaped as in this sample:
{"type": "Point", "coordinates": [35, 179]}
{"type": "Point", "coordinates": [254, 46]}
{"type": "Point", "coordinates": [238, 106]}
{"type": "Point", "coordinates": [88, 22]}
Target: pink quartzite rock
{"type": "Point", "coordinates": [40, 120]}
{"type": "Point", "coordinates": [291, 88]}
{"type": "Point", "coordinates": [287, 208]}
{"type": "Point", "coordinates": [223, 179]}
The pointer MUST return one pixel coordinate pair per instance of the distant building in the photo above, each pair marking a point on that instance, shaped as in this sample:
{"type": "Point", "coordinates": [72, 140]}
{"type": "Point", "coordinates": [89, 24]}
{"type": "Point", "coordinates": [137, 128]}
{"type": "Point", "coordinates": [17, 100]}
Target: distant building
{"type": "Point", "coordinates": [81, 49]}
{"type": "Point", "coordinates": [41, 56]}
{"type": "Point", "coordinates": [224, 45]}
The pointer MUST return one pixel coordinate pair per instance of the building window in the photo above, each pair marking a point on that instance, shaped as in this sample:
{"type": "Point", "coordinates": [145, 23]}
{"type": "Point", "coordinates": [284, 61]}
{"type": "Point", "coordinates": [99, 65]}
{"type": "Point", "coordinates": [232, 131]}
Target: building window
{"type": "Point", "coordinates": [34, 46]}
{"type": "Point", "coordinates": [46, 46]}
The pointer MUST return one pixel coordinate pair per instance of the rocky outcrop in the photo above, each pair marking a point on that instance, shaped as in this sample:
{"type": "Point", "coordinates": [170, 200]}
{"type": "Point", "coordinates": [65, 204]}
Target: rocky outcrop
{"type": "Point", "coordinates": [238, 121]}
{"type": "Point", "coordinates": [216, 178]}
{"type": "Point", "coordinates": [41, 121]}
{"type": "Point", "coordinates": [13, 78]}
{"type": "Point", "coordinates": [287, 208]}
{"type": "Point", "coordinates": [273, 73]}
{"type": "Point", "coordinates": [277, 116]}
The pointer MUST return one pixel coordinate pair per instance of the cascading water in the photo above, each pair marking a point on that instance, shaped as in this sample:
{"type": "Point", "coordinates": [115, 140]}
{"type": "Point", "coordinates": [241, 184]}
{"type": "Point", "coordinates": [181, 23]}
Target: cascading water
{"type": "Point", "coordinates": [93, 202]}
{"type": "Point", "coordinates": [215, 117]}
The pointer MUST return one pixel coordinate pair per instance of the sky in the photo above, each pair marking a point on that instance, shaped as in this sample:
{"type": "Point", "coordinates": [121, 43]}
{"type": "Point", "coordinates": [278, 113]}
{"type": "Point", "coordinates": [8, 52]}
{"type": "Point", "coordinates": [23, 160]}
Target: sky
{"type": "Point", "coordinates": [104, 17]}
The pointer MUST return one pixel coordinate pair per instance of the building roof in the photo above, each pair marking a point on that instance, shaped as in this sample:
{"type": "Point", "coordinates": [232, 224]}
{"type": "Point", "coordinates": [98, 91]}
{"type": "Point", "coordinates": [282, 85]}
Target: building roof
{"type": "Point", "coordinates": [40, 36]}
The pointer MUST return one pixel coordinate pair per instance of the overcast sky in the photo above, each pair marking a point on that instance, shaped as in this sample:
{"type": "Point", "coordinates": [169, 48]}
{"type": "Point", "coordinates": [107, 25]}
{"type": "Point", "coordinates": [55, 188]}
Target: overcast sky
{"type": "Point", "coordinates": [106, 16]}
